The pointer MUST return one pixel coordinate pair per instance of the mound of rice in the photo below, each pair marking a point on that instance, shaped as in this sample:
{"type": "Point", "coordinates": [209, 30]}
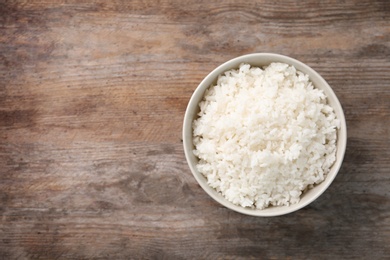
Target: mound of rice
{"type": "Point", "coordinates": [264, 135]}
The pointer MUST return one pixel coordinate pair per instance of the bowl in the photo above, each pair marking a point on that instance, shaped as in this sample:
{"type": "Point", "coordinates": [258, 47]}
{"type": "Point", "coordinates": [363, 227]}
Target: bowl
{"type": "Point", "coordinates": [260, 60]}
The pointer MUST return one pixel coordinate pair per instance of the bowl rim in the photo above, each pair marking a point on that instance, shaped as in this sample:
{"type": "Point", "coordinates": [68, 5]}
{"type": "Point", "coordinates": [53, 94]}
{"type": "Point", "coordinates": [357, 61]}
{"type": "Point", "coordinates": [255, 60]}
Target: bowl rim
{"type": "Point", "coordinates": [234, 63]}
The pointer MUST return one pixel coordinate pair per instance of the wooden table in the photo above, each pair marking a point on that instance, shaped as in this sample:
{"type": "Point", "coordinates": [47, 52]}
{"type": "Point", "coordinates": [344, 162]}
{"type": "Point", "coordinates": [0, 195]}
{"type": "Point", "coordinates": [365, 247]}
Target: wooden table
{"type": "Point", "coordinates": [92, 98]}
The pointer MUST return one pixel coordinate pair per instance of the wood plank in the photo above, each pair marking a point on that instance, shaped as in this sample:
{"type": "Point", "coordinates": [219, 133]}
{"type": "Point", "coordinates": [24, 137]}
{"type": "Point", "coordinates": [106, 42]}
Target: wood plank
{"type": "Point", "coordinates": [92, 99]}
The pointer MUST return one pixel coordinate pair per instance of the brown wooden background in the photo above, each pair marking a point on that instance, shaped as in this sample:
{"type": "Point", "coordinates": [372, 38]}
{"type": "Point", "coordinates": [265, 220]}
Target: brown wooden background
{"type": "Point", "coordinates": [92, 98]}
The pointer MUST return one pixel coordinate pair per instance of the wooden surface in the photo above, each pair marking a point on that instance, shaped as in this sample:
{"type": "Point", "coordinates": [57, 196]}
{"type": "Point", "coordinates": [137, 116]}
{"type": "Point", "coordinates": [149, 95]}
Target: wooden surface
{"type": "Point", "coordinates": [92, 98]}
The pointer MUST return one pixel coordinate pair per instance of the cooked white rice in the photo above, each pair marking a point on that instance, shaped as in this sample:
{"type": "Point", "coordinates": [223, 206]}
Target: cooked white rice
{"type": "Point", "coordinates": [264, 135]}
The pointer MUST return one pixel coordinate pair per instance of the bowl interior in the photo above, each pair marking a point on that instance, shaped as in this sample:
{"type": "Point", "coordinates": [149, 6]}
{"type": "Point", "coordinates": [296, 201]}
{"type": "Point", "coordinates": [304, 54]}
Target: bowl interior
{"type": "Point", "coordinates": [260, 60]}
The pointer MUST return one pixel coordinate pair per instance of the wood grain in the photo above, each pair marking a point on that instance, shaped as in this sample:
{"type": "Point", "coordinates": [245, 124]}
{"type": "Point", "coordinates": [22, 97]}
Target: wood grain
{"type": "Point", "coordinates": [92, 98]}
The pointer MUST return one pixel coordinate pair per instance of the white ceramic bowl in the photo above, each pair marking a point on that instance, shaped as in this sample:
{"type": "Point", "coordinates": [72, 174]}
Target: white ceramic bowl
{"type": "Point", "coordinates": [263, 59]}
